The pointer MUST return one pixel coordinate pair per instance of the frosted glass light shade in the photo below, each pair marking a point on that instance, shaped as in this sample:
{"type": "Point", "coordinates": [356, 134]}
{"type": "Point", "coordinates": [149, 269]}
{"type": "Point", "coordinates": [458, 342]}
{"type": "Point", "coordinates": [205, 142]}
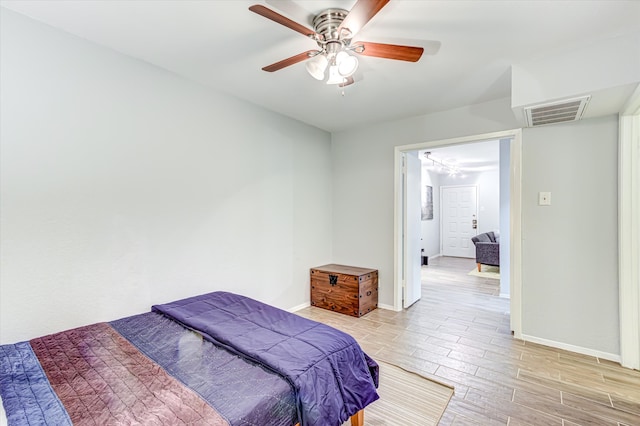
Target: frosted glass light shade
{"type": "Point", "coordinates": [316, 67]}
{"type": "Point", "coordinates": [347, 64]}
{"type": "Point", "coordinates": [334, 75]}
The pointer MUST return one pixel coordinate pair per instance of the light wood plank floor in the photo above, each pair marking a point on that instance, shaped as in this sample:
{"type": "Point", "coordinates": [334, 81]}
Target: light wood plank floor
{"type": "Point", "coordinates": [458, 333]}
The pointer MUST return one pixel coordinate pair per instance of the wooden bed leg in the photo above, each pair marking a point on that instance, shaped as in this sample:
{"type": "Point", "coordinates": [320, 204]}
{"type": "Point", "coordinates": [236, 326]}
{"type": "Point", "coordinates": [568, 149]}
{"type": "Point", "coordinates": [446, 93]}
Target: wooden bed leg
{"type": "Point", "coordinates": [358, 418]}
{"type": "Point", "coordinates": [479, 268]}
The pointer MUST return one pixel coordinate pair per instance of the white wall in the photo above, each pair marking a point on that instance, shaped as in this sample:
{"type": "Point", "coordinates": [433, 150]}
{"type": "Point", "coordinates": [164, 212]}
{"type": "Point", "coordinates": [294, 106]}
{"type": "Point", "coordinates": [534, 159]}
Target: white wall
{"type": "Point", "coordinates": [363, 180]}
{"type": "Point", "coordinates": [573, 72]}
{"type": "Point", "coordinates": [557, 286]}
{"type": "Point", "coordinates": [570, 248]}
{"type": "Point", "coordinates": [123, 185]}
{"type": "Point", "coordinates": [430, 229]}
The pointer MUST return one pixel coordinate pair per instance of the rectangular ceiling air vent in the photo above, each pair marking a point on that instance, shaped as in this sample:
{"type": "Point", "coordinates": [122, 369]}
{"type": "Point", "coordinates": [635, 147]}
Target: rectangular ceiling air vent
{"type": "Point", "coordinates": [556, 112]}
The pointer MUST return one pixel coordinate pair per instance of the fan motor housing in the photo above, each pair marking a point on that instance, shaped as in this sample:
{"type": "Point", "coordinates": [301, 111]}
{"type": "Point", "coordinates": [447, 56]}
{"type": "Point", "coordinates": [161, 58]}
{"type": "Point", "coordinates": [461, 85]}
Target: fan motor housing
{"type": "Point", "coordinates": [326, 23]}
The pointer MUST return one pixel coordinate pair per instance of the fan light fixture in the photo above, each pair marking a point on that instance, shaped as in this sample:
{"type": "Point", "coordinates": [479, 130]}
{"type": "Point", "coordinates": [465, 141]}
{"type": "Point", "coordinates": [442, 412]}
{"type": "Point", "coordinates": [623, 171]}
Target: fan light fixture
{"type": "Point", "coordinates": [341, 65]}
{"type": "Point", "coordinates": [316, 67]}
{"type": "Point", "coordinates": [333, 31]}
{"type": "Point", "coordinates": [332, 61]}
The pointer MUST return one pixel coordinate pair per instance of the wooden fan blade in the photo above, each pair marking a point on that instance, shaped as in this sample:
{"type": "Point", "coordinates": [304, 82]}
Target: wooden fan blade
{"type": "Point", "coordinates": [388, 51]}
{"type": "Point", "coordinates": [282, 20]}
{"type": "Point", "coordinates": [289, 61]}
{"type": "Point", "coordinates": [360, 14]}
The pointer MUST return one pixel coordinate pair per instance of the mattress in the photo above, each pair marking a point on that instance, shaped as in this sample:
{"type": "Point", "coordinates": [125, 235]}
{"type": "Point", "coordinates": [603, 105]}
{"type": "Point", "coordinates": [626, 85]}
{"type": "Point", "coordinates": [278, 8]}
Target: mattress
{"type": "Point", "coordinates": [215, 359]}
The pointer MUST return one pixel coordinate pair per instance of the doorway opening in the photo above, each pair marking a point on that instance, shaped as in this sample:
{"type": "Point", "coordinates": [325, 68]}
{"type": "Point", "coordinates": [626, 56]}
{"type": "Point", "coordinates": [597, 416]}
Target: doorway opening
{"type": "Point", "coordinates": [510, 220]}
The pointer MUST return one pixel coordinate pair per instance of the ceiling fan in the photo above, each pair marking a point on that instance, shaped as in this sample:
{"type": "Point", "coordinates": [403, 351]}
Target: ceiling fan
{"type": "Point", "coordinates": [333, 31]}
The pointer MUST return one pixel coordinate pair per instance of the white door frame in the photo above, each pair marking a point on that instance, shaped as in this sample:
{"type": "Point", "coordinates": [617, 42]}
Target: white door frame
{"type": "Point", "coordinates": [515, 254]}
{"type": "Point", "coordinates": [629, 232]}
{"type": "Point", "coordinates": [442, 211]}
{"type": "Point", "coordinates": [411, 230]}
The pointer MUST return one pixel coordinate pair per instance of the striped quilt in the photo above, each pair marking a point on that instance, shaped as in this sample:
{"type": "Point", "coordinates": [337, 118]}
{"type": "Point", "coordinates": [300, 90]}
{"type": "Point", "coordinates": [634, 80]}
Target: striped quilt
{"type": "Point", "coordinates": [145, 370]}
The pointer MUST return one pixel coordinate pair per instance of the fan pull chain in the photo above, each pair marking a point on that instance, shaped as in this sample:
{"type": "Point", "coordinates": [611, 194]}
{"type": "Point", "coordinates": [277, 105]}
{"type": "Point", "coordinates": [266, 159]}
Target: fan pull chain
{"type": "Point", "coordinates": [341, 87]}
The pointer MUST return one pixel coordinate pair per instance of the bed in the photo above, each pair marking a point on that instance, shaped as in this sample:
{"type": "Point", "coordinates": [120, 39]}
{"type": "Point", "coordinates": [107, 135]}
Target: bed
{"type": "Point", "coordinates": [213, 359]}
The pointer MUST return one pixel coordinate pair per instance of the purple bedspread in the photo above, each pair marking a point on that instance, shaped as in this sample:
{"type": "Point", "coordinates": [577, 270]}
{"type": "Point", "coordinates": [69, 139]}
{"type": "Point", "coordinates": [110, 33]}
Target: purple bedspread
{"type": "Point", "coordinates": [332, 376]}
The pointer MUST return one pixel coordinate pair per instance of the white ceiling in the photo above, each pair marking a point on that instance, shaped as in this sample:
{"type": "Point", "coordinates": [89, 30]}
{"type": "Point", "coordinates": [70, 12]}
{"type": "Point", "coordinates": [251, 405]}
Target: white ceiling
{"type": "Point", "coordinates": [469, 48]}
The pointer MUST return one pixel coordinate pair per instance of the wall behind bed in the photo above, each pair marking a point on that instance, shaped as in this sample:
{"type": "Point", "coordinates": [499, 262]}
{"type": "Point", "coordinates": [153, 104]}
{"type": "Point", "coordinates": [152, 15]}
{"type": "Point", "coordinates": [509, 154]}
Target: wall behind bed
{"type": "Point", "coordinates": [123, 185]}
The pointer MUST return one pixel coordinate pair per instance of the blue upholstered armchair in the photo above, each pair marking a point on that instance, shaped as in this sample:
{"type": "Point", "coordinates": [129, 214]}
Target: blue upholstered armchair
{"type": "Point", "coordinates": [487, 249]}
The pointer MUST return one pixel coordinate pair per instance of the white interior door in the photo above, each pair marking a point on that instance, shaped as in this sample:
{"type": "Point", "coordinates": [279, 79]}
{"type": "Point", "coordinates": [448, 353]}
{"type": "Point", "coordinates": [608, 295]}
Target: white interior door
{"type": "Point", "coordinates": [412, 229]}
{"type": "Point", "coordinates": [459, 211]}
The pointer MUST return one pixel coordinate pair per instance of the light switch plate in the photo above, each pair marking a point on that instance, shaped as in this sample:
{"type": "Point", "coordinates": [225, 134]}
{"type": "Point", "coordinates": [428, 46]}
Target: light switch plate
{"type": "Point", "coordinates": [544, 198]}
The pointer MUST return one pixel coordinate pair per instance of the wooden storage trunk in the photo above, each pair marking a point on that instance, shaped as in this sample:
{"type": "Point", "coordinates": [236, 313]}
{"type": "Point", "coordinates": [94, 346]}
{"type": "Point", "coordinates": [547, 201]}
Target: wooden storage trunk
{"type": "Point", "coordinates": [345, 289]}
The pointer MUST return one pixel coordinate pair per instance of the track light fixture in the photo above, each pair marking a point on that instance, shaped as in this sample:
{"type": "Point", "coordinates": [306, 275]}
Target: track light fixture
{"type": "Point", "coordinates": [449, 168]}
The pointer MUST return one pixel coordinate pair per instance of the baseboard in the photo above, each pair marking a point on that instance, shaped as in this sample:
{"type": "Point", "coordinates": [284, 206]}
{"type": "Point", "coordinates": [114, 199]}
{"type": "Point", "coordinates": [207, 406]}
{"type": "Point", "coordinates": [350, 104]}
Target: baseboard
{"type": "Point", "coordinates": [299, 307]}
{"type": "Point", "coordinates": [387, 307]}
{"type": "Point", "coordinates": [572, 348]}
